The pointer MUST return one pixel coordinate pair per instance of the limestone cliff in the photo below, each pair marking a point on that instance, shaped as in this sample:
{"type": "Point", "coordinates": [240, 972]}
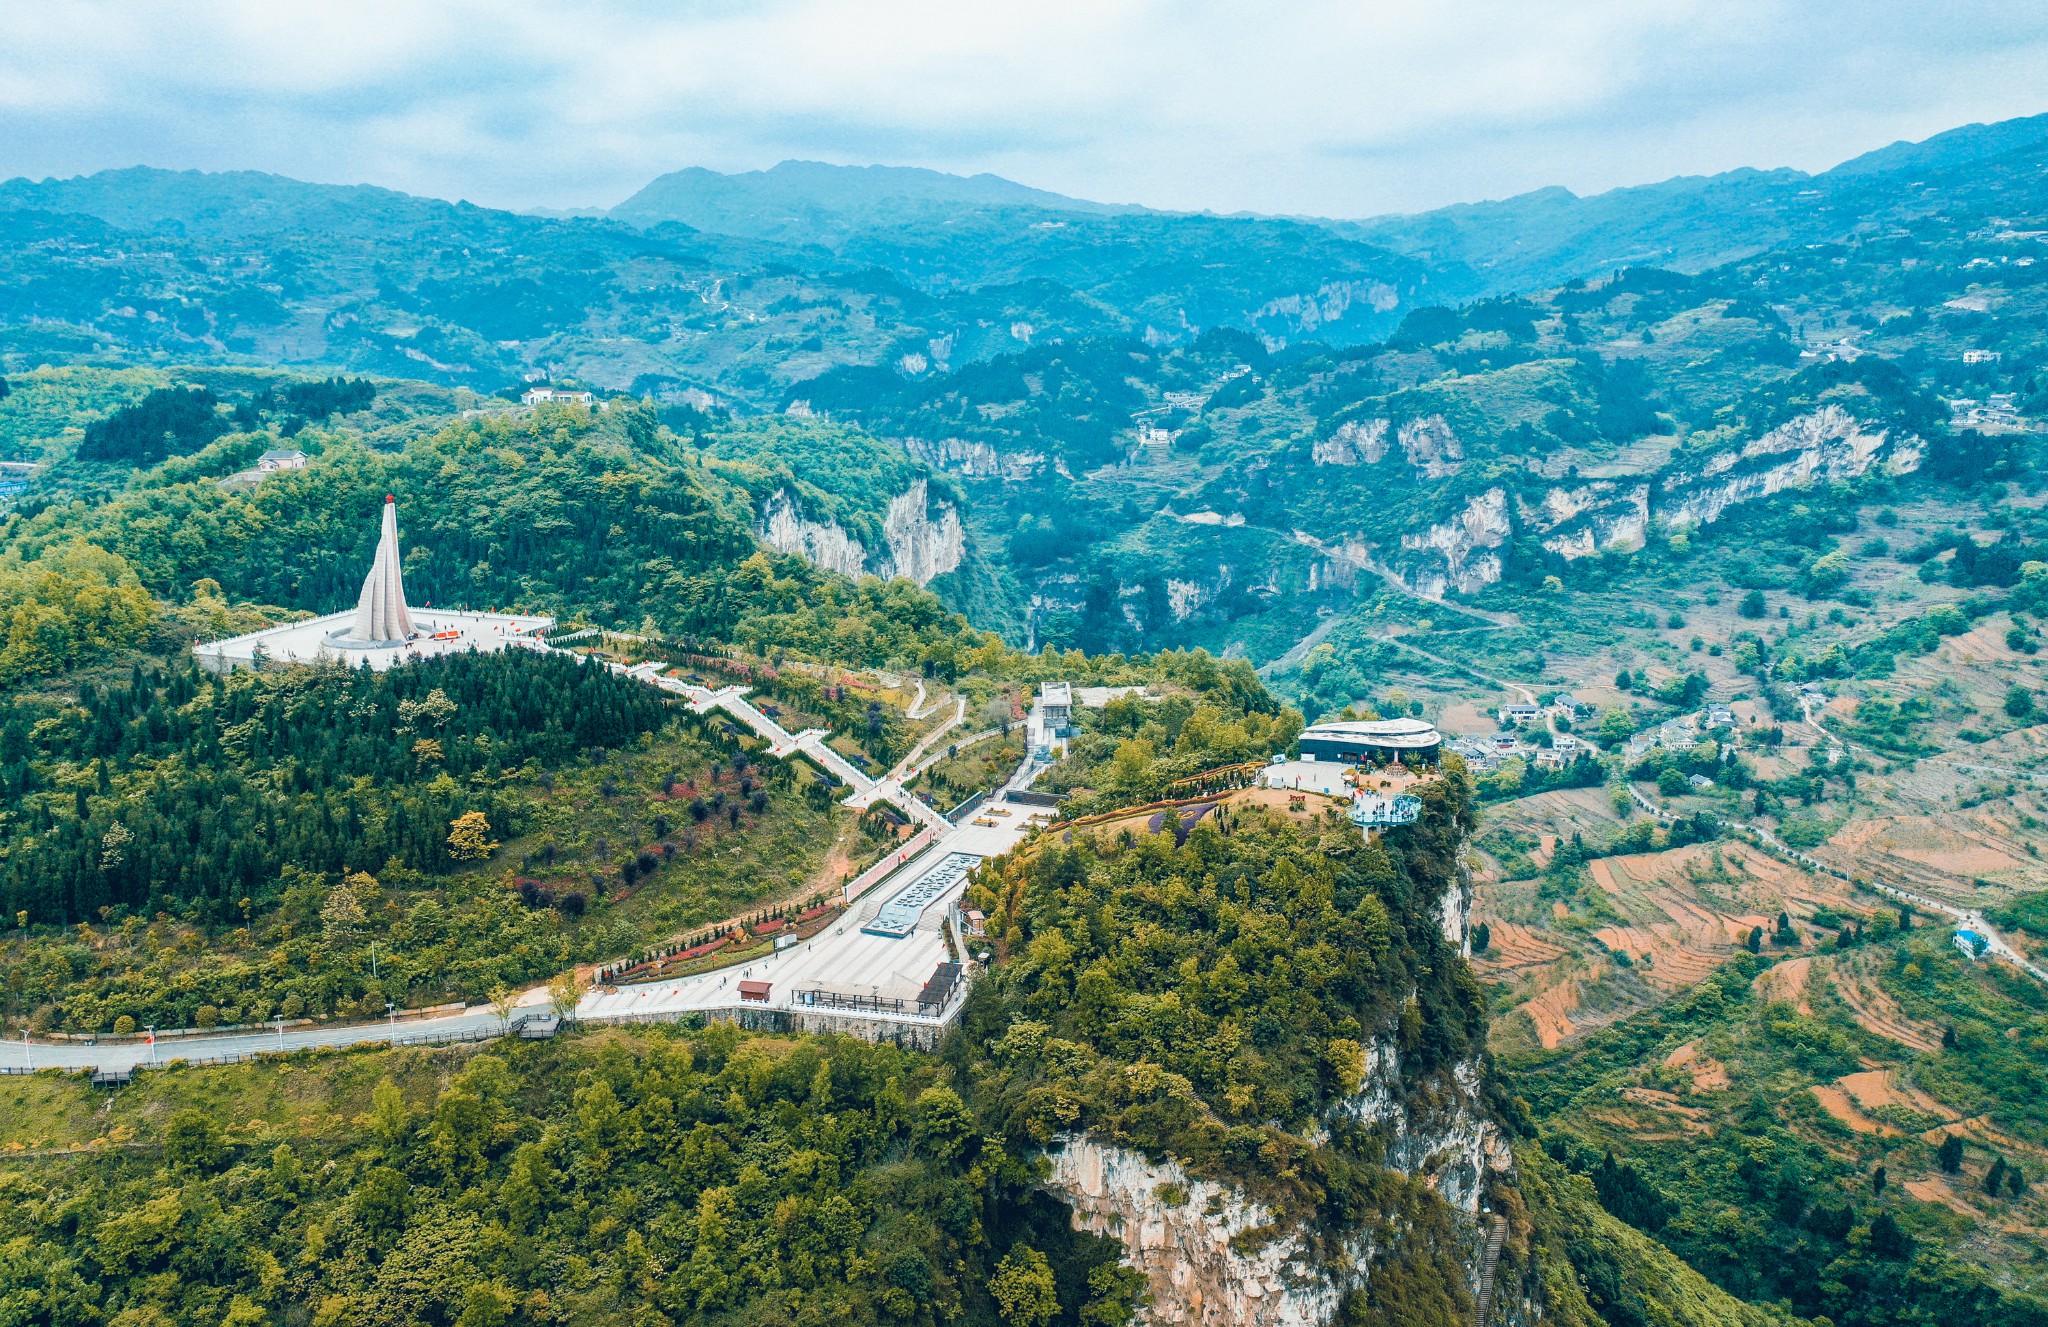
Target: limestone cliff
{"type": "Point", "coordinates": [1355, 442]}
{"type": "Point", "coordinates": [1196, 1242]}
{"type": "Point", "coordinates": [1458, 554]}
{"type": "Point", "coordinates": [1431, 447]}
{"type": "Point", "coordinates": [824, 544]}
{"type": "Point", "coordinates": [922, 546]}
{"type": "Point", "coordinates": [921, 540]}
{"type": "Point", "coordinates": [1825, 445]}
{"type": "Point", "coordinates": [1331, 303]}
{"type": "Point", "coordinates": [1213, 1255]}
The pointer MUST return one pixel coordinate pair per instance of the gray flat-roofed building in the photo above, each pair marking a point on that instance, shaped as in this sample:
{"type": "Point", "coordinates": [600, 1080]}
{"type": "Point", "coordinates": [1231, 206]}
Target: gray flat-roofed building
{"type": "Point", "coordinates": [1355, 740]}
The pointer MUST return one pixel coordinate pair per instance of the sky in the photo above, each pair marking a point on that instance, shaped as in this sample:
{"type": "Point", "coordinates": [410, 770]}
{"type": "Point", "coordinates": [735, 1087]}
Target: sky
{"type": "Point", "coordinates": [1277, 106]}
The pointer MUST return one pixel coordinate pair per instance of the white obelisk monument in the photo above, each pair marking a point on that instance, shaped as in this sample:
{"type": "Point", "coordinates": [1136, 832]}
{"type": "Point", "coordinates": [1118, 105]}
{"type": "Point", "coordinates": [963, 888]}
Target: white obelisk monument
{"type": "Point", "coordinates": [381, 614]}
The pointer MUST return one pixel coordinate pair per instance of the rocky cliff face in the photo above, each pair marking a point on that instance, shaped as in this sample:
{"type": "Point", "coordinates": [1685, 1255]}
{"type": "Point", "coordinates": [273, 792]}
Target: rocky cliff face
{"type": "Point", "coordinates": [1355, 442]}
{"type": "Point", "coordinates": [922, 540]}
{"type": "Point", "coordinates": [824, 544]}
{"type": "Point", "coordinates": [1212, 1255]}
{"type": "Point", "coordinates": [1332, 301]}
{"type": "Point", "coordinates": [1431, 447]}
{"type": "Point", "coordinates": [1198, 1243]}
{"type": "Point", "coordinates": [1459, 553]}
{"type": "Point", "coordinates": [1827, 444]}
{"type": "Point", "coordinates": [1603, 515]}
{"type": "Point", "coordinates": [1824, 445]}
{"type": "Point", "coordinates": [977, 460]}
{"type": "Point", "coordinates": [1429, 444]}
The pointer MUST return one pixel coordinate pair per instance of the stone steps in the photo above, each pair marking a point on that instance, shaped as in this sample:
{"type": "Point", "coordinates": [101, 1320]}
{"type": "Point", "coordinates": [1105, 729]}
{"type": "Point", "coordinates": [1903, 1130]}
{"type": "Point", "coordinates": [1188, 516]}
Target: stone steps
{"type": "Point", "coordinates": [1489, 1261]}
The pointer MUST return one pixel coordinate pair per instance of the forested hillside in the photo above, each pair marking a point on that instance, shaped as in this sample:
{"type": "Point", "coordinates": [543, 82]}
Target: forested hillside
{"type": "Point", "coordinates": [702, 1175]}
{"type": "Point", "coordinates": [1708, 515]}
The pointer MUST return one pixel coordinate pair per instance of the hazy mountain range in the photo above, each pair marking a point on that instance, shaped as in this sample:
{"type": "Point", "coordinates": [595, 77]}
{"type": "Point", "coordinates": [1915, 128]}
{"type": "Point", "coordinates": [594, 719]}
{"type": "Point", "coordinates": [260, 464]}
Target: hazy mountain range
{"type": "Point", "coordinates": [744, 284]}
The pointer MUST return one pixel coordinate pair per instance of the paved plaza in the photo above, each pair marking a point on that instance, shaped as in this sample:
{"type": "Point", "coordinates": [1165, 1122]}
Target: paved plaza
{"type": "Point", "coordinates": [842, 960]}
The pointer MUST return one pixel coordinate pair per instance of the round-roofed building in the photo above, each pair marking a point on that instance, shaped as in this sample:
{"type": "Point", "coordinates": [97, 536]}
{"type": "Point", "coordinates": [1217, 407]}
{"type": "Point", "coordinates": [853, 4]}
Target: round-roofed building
{"type": "Point", "coordinates": [1379, 740]}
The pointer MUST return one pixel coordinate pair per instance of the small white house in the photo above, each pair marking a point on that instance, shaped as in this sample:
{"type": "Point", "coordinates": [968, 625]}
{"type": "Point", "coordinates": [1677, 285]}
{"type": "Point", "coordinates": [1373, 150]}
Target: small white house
{"type": "Point", "coordinates": [544, 395]}
{"type": "Point", "coordinates": [280, 458]}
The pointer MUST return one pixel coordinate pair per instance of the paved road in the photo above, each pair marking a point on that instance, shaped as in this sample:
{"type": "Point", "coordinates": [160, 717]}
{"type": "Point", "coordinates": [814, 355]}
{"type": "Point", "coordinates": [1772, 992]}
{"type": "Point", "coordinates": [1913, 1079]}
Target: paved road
{"type": "Point", "coordinates": [842, 959]}
{"type": "Point", "coordinates": [479, 1020]}
{"type": "Point", "coordinates": [842, 956]}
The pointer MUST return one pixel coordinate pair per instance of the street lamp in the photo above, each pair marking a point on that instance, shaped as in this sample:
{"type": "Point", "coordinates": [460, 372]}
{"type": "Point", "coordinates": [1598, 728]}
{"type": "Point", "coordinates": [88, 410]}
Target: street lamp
{"type": "Point", "coordinates": [391, 1012]}
{"type": "Point", "coordinates": [280, 1031]}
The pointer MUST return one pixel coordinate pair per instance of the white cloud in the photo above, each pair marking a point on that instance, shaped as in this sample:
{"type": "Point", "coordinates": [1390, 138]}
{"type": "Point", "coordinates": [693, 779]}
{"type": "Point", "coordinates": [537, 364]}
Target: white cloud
{"type": "Point", "coordinates": [1315, 106]}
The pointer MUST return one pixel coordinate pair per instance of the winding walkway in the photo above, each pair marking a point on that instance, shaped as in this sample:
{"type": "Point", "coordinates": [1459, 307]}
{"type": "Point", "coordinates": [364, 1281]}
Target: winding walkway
{"type": "Point", "coordinates": [817, 960]}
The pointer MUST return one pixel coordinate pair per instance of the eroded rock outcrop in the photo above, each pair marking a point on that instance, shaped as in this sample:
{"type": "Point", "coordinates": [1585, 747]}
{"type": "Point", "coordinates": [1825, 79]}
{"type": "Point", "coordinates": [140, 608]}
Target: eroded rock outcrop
{"type": "Point", "coordinates": [1209, 1255]}
{"type": "Point", "coordinates": [824, 544]}
{"type": "Point", "coordinates": [1431, 447]}
{"type": "Point", "coordinates": [1355, 442]}
{"type": "Point", "coordinates": [1332, 301]}
{"type": "Point", "coordinates": [1827, 444]}
{"type": "Point", "coordinates": [922, 540]}
{"type": "Point", "coordinates": [1213, 1255]}
{"type": "Point", "coordinates": [923, 545]}
{"type": "Point", "coordinates": [1459, 553]}
{"type": "Point", "coordinates": [973, 459]}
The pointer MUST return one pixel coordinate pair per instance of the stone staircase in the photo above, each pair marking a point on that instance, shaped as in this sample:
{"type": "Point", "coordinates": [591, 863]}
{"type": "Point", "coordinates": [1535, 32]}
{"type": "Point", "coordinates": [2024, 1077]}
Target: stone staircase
{"type": "Point", "coordinates": [1489, 1261]}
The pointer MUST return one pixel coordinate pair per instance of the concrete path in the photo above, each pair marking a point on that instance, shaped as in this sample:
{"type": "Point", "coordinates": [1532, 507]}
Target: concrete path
{"type": "Point", "coordinates": [841, 959]}
{"type": "Point", "coordinates": [480, 1020]}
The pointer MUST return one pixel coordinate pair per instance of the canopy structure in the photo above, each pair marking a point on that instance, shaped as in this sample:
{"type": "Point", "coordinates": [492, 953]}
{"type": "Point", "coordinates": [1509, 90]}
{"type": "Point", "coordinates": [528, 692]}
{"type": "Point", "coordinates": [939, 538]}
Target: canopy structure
{"type": "Point", "coordinates": [381, 615]}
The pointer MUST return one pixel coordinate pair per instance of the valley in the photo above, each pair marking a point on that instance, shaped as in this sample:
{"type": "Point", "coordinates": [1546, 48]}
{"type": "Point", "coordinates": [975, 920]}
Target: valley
{"type": "Point", "coordinates": [1703, 980]}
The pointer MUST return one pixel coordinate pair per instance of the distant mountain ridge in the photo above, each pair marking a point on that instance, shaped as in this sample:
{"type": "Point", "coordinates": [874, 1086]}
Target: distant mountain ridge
{"type": "Point", "coordinates": [746, 285]}
{"type": "Point", "coordinates": [1693, 222]}
{"type": "Point", "coordinates": [811, 202]}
